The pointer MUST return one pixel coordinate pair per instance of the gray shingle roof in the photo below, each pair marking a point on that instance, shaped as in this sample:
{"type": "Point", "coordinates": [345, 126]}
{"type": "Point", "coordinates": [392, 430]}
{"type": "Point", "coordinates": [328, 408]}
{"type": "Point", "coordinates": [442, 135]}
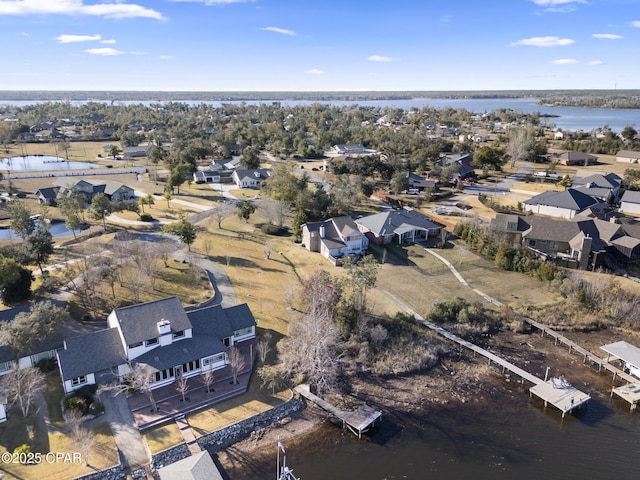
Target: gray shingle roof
{"type": "Point", "coordinates": [396, 221]}
{"type": "Point", "coordinates": [631, 197]}
{"type": "Point", "coordinates": [571, 199]}
{"type": "Point", "coordinates": [181, 351]}
{"type": "Point", "coordinates": [140, 322]}
{"type": "Point", "coordinates": [91, 353]}
{"type": "Point", "coordinates": [610, 180]}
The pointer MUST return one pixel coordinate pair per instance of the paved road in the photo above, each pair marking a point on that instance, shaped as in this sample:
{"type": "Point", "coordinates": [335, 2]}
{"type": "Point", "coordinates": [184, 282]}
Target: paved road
{"type": "Point", "coordinates": [500, 188]}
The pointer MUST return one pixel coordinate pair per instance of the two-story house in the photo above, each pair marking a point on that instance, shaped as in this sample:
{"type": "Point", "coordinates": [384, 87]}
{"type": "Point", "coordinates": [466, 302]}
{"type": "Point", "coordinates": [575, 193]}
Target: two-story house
{"type": "Point", "coordinates": [334, 238]}
{"type": "Point", "coordinates": [160, 335]}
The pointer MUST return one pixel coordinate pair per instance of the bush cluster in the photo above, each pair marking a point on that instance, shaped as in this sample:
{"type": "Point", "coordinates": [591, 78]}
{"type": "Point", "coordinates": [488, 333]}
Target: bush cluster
{"type": "Point", "coordinates": [503, 253]}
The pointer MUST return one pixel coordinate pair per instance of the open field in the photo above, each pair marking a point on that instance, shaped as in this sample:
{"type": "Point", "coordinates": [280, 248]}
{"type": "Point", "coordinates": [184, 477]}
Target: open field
{"type": "Point", "coordinates": [78, 151]}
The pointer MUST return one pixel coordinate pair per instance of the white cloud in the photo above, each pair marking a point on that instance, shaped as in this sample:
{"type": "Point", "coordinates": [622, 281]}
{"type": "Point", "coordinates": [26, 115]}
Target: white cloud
{"type": "Point", "coordinates": [315, 71]}
{"type": "Point", "coordinates": [565, 61]}
{"type": "Point", "coordinates": [607, 36]}
{"type": "Point", "coordinates": [106, 42]}
{"type": "Point", "coordinates": [595, 62]}
{"type": "Point", "coordinates": [166, 57]}
{"type": "Point", "coordinates": [115, 9]}
{"type": "Point", "coordinates": [279, 30]}
{"type": "Point", "coordinates": [77, 38]}
{"type": "Point", "coordinates": [380, 58]}
{"type": "Point", "coordinates": [106, 51]}
{"type": "Point", "coordinates": [138, 53]}
{"type": "Point", "coordinates": [636, 24]}
{"type": "Point", "coordinates": [214, 2]}
{"type": "Point", "coordinates": [24, 34]}
{"type": "Point", "coordinates": [544, 42]}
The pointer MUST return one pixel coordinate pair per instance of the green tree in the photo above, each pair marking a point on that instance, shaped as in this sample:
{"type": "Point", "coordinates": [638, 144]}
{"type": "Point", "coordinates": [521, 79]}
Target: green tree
{"type": "Point", "coordinates": [490, 157]}
{"type": "Point", "coordinates": [157, 154]}
{"type": "Point", "coordinates": [566, 182]}
{"type": "Point", "coordinates": [168, 197]}
{"type": "Point", "coordinates": [9, 271]}
{"type": "Point", "coordinates": [245, 210]}
{"type": "Point", "coordinates": [183, 230]}
{"type": "Point", "coordinates": [114, 151]}
{"type": "Point", "coordinates": [100, 209]}
{"type": "Point", "coordinates": [250, 158]}
{"type": "Point", "coordinates": [629, 133]}
{"type": "Point", "coordinates": [34, 325]}
{"type": "Point", "coordinates": [21, 221]}
{"type": "Point", "coordinates": [40, 246]}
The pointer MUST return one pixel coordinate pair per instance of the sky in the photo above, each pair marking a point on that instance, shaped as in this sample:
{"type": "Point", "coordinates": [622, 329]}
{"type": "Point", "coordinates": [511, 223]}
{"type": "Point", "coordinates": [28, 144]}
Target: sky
{"type": "Point", "coordinates": [312, 45]}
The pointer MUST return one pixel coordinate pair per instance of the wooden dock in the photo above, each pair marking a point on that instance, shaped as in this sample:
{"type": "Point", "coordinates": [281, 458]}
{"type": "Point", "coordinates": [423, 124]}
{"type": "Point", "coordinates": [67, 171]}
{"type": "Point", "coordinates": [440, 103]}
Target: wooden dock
{"type": "Point", "coordinates": [558, 393]}
{"type": "Point", "coordinates": [358, 421]}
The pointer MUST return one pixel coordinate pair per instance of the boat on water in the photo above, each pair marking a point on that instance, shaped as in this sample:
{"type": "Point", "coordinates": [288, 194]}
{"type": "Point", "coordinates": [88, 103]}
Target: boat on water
{"type": "Point", "coordinates": [283, 472]}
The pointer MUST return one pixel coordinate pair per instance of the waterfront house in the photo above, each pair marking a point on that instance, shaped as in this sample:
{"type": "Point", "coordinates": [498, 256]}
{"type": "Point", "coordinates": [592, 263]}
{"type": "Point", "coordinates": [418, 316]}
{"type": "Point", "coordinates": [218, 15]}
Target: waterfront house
{"type": "Point", "coordinates": [159, 335]}
{"type": "Point", "coordinates": [113, 190]}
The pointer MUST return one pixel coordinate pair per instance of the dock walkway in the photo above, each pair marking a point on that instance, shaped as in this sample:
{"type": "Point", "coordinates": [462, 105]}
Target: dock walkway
{"type": "Point", "coordinates": [358, 421]}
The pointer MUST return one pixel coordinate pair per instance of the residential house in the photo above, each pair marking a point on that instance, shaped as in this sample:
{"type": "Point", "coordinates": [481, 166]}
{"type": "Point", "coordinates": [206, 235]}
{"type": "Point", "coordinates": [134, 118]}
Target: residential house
{"type": "Point", "coordinates": [159, 335]}
{"type": "Point", "coordinates": [628, 156]}
{"type": "Point", "coordinates": [113, 190]}
{"type": "Point", "coordinates": [348, 149]}
{"type": "Point", "coordinates": [206, 176]}
{"type": "Point", "coordinates": [575, 158]}
{"type": "Point", "coordinates": [137, 151]}
{"type": "Point", "coordinates": [560, 204]}
{"type": "Point", "coordinates": [630, 202]}
{"type": "Point", "coordinates": [403, 226]}
{"type": "Point", "coordinates": [334, 238]}
{"type": "Point", "coordinates": [195, 467]}
{"type": "Point", "coordinates": [419, 183]}
{"type": "Point", "coordinates": [250, 178]}
{"type": "Point", "coordinates": [603, 187]}
{"type": "Point", "coordinates": [3, 408]}
{"type": "Point", "coordinates": [462, 161]}
{"type": "Point", "coordinates": [47, 195]}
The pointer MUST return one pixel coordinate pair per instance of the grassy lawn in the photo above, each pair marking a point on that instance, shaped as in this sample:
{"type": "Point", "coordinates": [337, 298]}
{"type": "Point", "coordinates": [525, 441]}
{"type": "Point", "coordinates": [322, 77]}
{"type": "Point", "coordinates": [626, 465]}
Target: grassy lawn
{"type": "Point", "coordinates": [78, 151]}
{"type": "Point", "coordinates": [164, 437]}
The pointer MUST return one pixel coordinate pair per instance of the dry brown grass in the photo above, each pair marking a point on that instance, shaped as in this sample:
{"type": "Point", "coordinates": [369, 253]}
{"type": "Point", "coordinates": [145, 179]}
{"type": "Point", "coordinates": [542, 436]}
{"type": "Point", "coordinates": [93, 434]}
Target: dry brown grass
{"type": "Point", "coordinates": [78, 151]}
{"type": "Point", "coordinates": [163, 437]}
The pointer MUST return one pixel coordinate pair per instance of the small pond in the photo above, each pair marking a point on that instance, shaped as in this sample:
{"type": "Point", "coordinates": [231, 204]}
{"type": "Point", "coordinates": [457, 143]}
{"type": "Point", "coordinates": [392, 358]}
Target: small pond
{"type": "Point", "coordinates": [41, 162]}
{"type": "Point", "coordinates": [57, 229]}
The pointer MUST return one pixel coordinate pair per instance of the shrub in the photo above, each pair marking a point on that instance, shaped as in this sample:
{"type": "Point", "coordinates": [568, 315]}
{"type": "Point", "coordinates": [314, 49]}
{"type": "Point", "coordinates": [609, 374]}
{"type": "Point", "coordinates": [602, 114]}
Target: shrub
{"type": "Point", "coordinates": [46, 365]}
{"type": "Point", "coordinates": [76, 403]}
{"type": "Point", "coordinates": [270, 229]}
{"type": "Point", "coordinates": [24, 448]}
{"type": "Point", "coordinates": [145, 217]}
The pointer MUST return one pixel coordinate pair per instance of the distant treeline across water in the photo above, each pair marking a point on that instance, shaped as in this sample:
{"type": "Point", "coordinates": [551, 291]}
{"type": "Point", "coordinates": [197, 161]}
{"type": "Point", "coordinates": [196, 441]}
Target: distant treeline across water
{"type": "Point", "coordinates": [621, 98]}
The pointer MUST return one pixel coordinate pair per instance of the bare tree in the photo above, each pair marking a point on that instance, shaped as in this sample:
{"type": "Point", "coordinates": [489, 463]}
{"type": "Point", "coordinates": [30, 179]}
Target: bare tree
{"type": "Point", "coordinates": [82, 437]}
{"type": "Point", "coordinates": [274, 211]}
{"type": "Point", "coordinates": [517, 146]}
{"type": "Point", "coordinates": [21, 386]}
{"type": "Point", "coordinates": [268, 249]}
{"type": "Point", "coordinates": [140, 378]}
{"type": "Point", "coordinates": [207, 377]}
{"type": "Point", "coordinates": [289, 294]}
{"type": "Point", "coordinates": [263, 348]}
{"type": "Point", "coordinates": [236, 363]}
{"type": "Point", "coordinates": [182, 384]}
{"type": "Point", "coordinates": [220, 212]}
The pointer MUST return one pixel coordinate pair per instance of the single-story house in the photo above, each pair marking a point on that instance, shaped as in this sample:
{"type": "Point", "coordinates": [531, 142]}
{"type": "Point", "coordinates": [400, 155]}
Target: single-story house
{"type": "Point", "coordinates": [206, 176]}
{"type": "Point", "coordinates": [564, 204]}
{"type": "Point", "coordinates": [250, 178]}
{"type": "Point", "coordinates": [334, 238]}
{"type": "Point", "coordinates": [159, 335]}
{"type": "Point", "coordinates": [575, 158]}
{"type": "Point", "coordinates": [47, 195]}
{"type": "Point", "coordinates": [403, 225]}
{"type": "Point", "coordinates": [195, 467]}
{"type": "Point", "coordinates": [348, 149]}
{"type": "Point", "coordinates": [603, 187]}
{"type": "Point", "coordinates": [628, 156]}
{"type": "Point", "coordinates": [419, 183]}
{"type": "Point", "coordinates": [113, 190]}
{"type": "Point", "coordinates": [630, 202]}
{"type": "Point", "coordinates": [137, 151]}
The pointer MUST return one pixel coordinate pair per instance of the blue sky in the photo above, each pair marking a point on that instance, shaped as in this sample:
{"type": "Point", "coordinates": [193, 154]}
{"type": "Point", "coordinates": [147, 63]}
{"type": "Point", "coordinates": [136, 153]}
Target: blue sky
{"type": "Point", "coordinates": [310, 45]}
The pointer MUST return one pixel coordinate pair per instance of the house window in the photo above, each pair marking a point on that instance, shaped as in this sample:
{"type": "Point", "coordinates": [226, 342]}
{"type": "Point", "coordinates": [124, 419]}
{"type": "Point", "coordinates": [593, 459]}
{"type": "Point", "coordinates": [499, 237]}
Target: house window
{"type": "Point", "coordinates": [134, 345]}
{"type": "Point", "coordinates": [190, 366]}
{"type": "Point", "coordinates": [553, 245]}
{"type": "Point", "coordinates": [79, 380]}
{"type": "Point", "coordinates": [6, 366]}
{"type": "Point", "coordinates": [244, 331]}
{"type": "Point", "coordinates": [532, 243]}
{"type": "Point", "coordinates": [213, 359]}
{"type": "Point", "coordinates": [227, 342]}
{"type": "Point", "coordinates": [512, 225]}
{"type": "Point", "coordinates": [163, 375]}
{"type": "Point", "coordinates": [153, 341]}
{"type": "Point", "coordinates": [179, 334]}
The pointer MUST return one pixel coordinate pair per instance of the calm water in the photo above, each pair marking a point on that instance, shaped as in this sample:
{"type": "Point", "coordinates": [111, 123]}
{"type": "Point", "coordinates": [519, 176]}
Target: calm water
{"type": "Point", "coordinates": [513, 440]}
{"type": "Point", "coordinates": [57, 229]}
{"type": "Point", "coordinates": [44, 162]}
{"type": "Point", "coordinates": [568, 118]}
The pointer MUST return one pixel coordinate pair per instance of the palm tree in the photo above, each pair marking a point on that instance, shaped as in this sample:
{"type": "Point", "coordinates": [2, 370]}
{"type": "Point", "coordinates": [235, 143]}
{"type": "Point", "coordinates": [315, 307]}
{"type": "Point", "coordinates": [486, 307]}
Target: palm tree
{"type": "Point", "coordinates": [167, 196]}
{"type": "Point", "coordinates": [142, 201]}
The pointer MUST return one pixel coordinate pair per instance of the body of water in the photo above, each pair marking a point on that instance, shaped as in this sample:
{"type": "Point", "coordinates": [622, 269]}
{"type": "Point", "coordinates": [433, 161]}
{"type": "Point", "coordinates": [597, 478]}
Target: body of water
{"type": "Point", "coordinates": [57, 229]}
{"type": "Point", "coordinates": [512, 439]}
{"type": "Point", "coordinates": [41, 162]}
{"type": "Point", "coordinates": [566, 118]}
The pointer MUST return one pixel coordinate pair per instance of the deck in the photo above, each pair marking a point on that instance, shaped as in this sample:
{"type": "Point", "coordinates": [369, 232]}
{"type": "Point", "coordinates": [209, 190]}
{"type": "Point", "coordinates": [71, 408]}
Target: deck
{"type": "Point", "coordinates": [561, 394]}
{"type": "Point", "coordinates": [358, 421]}
{"type": "Point", "coordinates": [629, 392]}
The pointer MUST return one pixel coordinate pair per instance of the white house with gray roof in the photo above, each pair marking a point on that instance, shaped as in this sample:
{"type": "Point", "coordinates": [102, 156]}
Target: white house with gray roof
{"type": "Point", "coordinates": [334, 238]}
{"type": "Point", "coordinates": [630, 202]}
{"type": "Point", "coordinates": [159, 335]}
{"type": "Point", "coordinates": [560, 204]}
{"type": "Point", "coordinates": [404, 226]}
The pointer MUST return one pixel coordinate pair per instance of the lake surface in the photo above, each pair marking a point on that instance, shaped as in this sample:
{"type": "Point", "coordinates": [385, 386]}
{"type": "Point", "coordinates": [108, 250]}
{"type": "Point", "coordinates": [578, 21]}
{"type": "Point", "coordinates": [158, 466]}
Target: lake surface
{"type": "Point", "coordinates": [512, 439]}
{"type": "Point", "coordinates": [57, 229]}
{"type": "Point", "coordinates": [41, 162]}
{"type": "Point", "coordinates": [568, 118]}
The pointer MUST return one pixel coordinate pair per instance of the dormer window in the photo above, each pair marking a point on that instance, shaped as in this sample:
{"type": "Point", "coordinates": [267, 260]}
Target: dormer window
{"type": "Point", "coordinates": [179, 334]}
{"type": "Point", "coordinates": [153, 341]}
